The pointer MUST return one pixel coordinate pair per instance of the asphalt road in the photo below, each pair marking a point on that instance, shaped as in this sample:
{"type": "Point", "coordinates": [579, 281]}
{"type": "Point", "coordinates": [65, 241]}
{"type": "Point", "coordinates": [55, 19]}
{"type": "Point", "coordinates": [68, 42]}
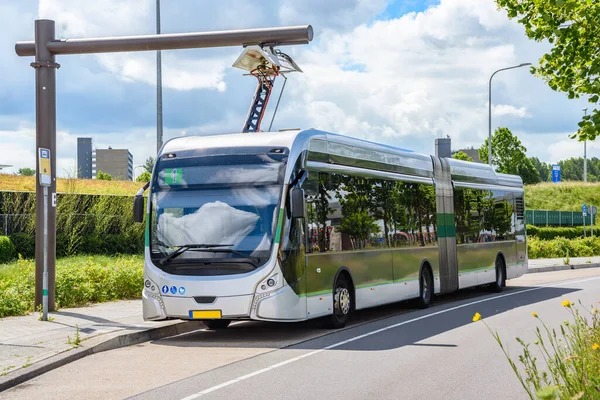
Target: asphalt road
{"type": "Point", "coordinates": [392, 352]}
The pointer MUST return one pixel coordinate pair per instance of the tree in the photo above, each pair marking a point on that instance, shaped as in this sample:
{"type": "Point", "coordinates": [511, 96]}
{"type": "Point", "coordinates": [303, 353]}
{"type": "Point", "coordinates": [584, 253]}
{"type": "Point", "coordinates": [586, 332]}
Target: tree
{"type": "Point", "coordinates": [103, 176]}
{"type": "Point", "coordinates": [149, 165]}
{"type": "Point", "coordinates": [461, 155]}
{"type": "Point", "coordinates": [144, 177]}
{"type": "Point", "coordinates": [542, 168]}
{"type": "Point", "coordinates": [26, 171]}
{"type": "Point", "coordinates": [508, 155]}
{"type": "Point", "coordinates": [572, 65]}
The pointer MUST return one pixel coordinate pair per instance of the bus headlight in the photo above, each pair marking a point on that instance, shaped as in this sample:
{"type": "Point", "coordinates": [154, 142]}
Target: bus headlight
{"type": "Point", "coordinates": [150, 286]}
{"type": "Point", "coordinates": [271, 283]}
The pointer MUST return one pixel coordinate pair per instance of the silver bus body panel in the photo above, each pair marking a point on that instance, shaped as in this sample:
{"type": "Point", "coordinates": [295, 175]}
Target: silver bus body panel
{"type": "Point", "coordinates": [379, 276]}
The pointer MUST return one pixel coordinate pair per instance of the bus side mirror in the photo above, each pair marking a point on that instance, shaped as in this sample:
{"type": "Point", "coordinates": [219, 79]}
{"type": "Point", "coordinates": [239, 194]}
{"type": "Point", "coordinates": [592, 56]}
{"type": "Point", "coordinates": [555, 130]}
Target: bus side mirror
{"type": "Point", "coordinates": [298, 202]}
{"type": "Point", "coordinates": [138, 209]}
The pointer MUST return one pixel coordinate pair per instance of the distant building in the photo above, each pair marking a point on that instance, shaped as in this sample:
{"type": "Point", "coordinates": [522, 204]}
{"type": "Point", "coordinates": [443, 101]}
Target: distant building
{"type": "Point", "coordinates": [84, 158]}
{"type": "Point", "coordinates": [442, 147]}
{"type": "Point", "coordinates": [118, 163]}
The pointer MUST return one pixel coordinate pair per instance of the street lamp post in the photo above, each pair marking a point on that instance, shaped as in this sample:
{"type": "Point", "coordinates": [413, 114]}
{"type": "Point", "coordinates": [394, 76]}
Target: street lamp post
{"type": "Point", "coordinates": [159, 108]}
{"type": "Point", "coordinates": [585, 153]}
{"type": "Point", "coordinates": [490, 109]}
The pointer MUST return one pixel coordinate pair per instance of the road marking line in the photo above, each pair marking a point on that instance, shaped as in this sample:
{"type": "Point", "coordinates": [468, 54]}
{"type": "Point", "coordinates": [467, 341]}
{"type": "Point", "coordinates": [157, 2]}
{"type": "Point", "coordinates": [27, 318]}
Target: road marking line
{"type": "Point", "coordinates": [332, 346]}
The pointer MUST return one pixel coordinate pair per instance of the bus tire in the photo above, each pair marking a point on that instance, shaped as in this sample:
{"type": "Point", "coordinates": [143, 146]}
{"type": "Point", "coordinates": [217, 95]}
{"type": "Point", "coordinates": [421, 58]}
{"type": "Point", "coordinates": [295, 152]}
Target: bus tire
{"type": "Point", "coordinates": [425, 287]}
{"type": "Point", "coordinates": [342, 302]}
{"type": "Point", "coordinates": [500, 281]}
{"type": "Point", "coordinates": [217, 324]}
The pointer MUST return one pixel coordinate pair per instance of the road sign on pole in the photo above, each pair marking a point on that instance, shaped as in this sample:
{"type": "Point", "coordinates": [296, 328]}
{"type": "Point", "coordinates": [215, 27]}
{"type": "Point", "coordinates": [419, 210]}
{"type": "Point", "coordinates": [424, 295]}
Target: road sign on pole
{"type": "Point", "coordinates": [45, 177]}
{"type": "Point", "coordinates": [593, 212]}
{"type": "Point", "coordinates": [555, 173]}
{"type": "Point", "coordinates": [584, 212]}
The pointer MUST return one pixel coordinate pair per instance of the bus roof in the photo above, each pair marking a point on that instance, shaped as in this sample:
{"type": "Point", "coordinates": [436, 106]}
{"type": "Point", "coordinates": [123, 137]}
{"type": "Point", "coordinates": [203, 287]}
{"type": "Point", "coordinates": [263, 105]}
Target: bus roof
{"type": "Point", "coordinates": [344, 150]}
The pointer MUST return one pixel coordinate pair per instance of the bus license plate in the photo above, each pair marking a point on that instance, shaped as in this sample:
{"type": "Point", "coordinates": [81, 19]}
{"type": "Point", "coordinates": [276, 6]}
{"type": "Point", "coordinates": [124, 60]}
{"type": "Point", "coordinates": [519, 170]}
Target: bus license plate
{"type": "Point", "coordinates": [212, 314]}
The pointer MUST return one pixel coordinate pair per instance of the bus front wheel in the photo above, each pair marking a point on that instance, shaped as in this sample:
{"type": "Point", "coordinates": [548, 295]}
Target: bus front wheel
{"type": "Point", "coordinates": [426, 287]}
{"type": "Point", "coordinates": [216, 324]}
{"type": "Point", "coordinates": [342, 302]}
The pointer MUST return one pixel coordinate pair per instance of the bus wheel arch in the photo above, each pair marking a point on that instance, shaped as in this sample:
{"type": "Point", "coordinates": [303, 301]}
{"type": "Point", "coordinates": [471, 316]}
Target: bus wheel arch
{"type": "Point", "coordinates": [344, 299]}
{"type": "Point", "coordinates": [426, 285]}
{"type": "Point", "coordinates": [500, 268]}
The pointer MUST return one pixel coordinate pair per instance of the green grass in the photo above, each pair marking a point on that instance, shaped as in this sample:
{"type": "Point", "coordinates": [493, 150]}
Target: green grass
{"type": "Point", "coordinates": [80, 281]}
{"type": "Point", "coordinates": [564, 196]}
{"type": "Point", "coordinates": [71, 185]}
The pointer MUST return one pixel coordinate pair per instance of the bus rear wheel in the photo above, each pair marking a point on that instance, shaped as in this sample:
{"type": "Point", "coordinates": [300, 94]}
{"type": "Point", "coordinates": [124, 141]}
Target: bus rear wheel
{"type": "Point", "coordinates": [342, 303]}
{"type": "Point", "coordinates": [500, 276]}
{"type": "Point", "coordinates": [216, 324]}
{"type": "Point", "coordinates": [426, 287]}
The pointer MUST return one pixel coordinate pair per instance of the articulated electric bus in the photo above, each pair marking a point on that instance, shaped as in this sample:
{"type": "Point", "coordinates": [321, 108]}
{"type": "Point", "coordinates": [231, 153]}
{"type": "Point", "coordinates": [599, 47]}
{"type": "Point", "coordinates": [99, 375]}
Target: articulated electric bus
{"type": "Point", "coordinates": [296, 225]}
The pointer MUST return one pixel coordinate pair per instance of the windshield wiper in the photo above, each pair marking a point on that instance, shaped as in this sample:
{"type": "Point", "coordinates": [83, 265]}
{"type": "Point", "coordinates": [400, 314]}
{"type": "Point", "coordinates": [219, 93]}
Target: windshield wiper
{"type": "Point", "coordinates": [182, 249]}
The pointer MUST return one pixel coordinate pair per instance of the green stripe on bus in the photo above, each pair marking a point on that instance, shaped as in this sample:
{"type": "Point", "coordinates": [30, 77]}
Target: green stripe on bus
{"type": "Point", "coordinates": [147, 231]}
{"type": "Point", "coordinates": [446, 227]}
{"type": "Point", "coordinates": [279, 225]}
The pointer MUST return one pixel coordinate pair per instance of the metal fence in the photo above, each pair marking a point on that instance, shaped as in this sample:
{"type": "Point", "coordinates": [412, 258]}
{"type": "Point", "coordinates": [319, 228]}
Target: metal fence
{"type": "Point", "coordinates": [557, 218]}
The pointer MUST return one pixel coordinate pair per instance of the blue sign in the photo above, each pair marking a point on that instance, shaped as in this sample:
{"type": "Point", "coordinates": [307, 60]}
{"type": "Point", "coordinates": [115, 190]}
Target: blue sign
{"type": "Point", "coordinates": [555, 173]}
{"type": "Point", "coordinates": [44, 153]}
{"type": "Point", "coordinates": [583, 208]}
{"type": "Point", "coordinates": [379, 240]}
{"type": "Point", "coordinates": [165, 289]}
{"type": "Point", "coordinates": [182, 290]}
{"type": "Point", "coordinates": [173, 289]}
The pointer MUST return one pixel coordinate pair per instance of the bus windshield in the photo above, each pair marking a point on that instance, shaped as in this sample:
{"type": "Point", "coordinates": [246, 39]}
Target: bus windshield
{"type": "Point", "coordinates": [223, 208]}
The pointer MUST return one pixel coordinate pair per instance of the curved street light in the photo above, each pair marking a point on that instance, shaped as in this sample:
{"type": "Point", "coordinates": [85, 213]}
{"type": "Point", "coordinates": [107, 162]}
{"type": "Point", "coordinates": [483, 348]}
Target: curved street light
{"type": "Point", "coordinates": [490, 108]}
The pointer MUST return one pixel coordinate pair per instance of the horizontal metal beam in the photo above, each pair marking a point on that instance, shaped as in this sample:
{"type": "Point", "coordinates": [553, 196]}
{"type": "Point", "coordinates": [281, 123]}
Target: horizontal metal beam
{"type": "Point", "coordinates": [289, 35]}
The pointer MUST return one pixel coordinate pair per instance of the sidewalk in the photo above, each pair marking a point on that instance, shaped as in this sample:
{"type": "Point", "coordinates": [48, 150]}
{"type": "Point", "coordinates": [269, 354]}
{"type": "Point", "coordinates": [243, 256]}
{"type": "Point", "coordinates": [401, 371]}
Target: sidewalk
{"type": "Point", "coordinates": [29, 347]}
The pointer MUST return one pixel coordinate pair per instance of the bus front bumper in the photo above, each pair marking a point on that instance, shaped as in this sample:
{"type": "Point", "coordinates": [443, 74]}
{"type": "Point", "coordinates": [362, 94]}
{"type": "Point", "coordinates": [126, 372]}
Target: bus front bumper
{"type": "Point", "coordinates": [157, 307]}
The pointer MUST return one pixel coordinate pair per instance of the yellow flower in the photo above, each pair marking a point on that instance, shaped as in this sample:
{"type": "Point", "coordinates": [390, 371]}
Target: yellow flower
{"type": "Point", "coordinates": [595, 346]}
{"type": "Point", "coordinates": [476, 317]}
{"type": "Point", "coordinates": [566, 303]}
{"type": "Point", "coordinates": [534, 314]}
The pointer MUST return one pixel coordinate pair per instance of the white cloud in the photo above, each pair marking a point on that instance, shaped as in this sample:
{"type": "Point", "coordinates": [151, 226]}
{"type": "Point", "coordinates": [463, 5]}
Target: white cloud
{"type": "Point", "coordinates": [508, 110]}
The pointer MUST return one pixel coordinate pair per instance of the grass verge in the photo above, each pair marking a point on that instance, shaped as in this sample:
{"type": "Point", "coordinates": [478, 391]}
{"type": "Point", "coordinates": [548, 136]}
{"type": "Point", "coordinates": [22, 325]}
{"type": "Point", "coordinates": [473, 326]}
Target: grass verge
{"type": "Point", "coordinates": [80, 280]}
{"type": "Point", "coordinates": [570, 357]}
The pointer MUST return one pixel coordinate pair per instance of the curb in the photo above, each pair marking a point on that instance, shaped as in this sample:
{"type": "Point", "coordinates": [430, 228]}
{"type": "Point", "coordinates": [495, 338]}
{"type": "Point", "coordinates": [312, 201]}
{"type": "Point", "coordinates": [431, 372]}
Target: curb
{"type": "Point", "coordinates": [562, 267]}
{"type": "Point", "coordinates": [122, 340]}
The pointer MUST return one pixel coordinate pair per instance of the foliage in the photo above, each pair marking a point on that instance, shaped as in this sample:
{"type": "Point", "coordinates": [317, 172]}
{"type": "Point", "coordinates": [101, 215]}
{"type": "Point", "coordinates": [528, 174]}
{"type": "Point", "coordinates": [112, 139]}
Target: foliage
{"type": "Point", "coordinates": [80, 281]}
{"type": "Point", "coordinates": [86, 224]}
{"type": "Point", "coordinates": [564, 196]}
{"type": "Point", "coordinates": [561, 247]}
{"type": "Point", "coordinates": [572, 65]}
{"type": "Point", "coordinates": [7, 249]}
{"type": "Point", "coordinates": [149, 165]}
{"type": "Point", "coordinates": [543, 169]}
{"type": "Point", "coordinates": [508, 155]}
{"type": "Point", "coordinates": [26, 171]}
{"type": "Point", "coordinates": [103, 176]}
{"type": "Point", "coordinates": [144, 177]}
{"type": "Point", "coordinates": [10, 182]}
{"type": "Point", "coordinates": [549, 233]}
{"type": "Point", "coordinates": [571, 357]}
{"type": "Point", "coordinates": [572, 169]}
{"type": "Point", "coordinates": [461, 155]}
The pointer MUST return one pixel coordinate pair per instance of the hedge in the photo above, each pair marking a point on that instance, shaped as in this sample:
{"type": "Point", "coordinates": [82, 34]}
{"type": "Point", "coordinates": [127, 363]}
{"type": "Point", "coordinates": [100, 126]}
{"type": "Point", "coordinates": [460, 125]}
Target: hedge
{"type": "Point", "coordinates": [563, 247]}
{"type": "Point", "coordinates": [85, 224]}
{"type": "Point", "coordinates": [549, 233]}
{"type": "Point", "coordinates": [7, 249]}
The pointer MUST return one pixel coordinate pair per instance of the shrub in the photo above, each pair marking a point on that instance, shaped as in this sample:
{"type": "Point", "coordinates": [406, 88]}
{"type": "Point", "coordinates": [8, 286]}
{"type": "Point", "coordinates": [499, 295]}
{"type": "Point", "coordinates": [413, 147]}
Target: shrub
{"type": "Point", "coordinates": [557, 248]}
{"type": "Point", "coordinates": [24, 244]}
{"type": "Point", "coordinates": [80, 281]}
{"type": "Point", "coordinates": [7, 249]}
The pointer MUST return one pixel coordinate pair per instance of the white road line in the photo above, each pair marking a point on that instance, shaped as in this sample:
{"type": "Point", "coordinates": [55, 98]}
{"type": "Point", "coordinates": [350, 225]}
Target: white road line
{"type": "Point", "coordinates": [312, 353]}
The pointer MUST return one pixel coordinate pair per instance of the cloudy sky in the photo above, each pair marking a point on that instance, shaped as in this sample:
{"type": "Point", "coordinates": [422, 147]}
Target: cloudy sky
{"type": "Point", "coordinates": [402, 72]}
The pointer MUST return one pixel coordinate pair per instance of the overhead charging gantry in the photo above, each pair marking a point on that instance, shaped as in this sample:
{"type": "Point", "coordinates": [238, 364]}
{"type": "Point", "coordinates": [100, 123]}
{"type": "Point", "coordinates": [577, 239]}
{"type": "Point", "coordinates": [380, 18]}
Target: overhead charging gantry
{"type": "Point", "coordinates": [265, 63]}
